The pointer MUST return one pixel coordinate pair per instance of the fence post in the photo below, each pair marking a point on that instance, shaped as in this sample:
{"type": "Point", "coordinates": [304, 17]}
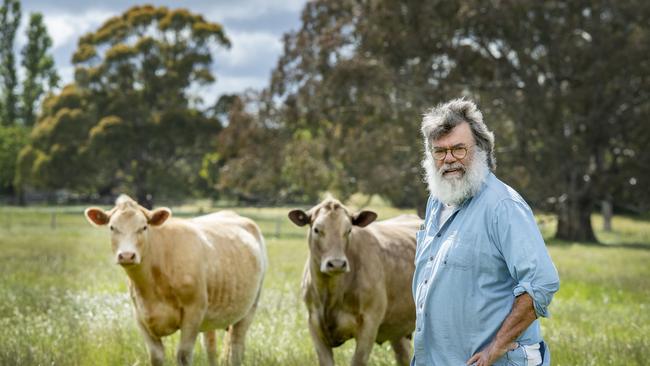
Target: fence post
{"type": "Point", "coordinates": [278, 224]}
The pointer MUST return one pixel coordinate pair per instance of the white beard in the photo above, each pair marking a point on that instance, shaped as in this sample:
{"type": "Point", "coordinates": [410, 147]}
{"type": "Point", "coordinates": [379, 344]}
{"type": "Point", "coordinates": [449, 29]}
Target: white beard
{"type": "Point", "coordinates": [453, 191]}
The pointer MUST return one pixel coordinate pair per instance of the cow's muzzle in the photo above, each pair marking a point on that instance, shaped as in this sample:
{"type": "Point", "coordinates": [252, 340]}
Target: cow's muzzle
{"type": "Point", "coordinates": [127, 258]}
{"type": "Point", "coordinates": [335, 265]}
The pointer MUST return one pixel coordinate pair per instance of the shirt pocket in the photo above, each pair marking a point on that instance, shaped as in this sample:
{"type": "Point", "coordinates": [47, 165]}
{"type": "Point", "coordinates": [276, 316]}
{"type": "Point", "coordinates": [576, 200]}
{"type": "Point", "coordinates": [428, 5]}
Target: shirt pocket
{"type": "Point", "coordinates": [462, 252]}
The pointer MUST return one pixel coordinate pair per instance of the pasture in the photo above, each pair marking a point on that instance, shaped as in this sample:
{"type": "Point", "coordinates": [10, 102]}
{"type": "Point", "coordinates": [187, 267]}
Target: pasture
{"type": "Point", "coordinates": [63, 302]}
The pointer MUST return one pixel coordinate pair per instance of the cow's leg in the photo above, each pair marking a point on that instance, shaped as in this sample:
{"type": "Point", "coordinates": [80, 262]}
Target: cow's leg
{"type": "Point", "coordinates": [189, 331]}
{"type": "Point", "coordinates": [324, 352]}
{"type": "Point", "coordinates": [210, 345]}
{"type": "Point", "coordinates": [402, 348]}
{"type": "Point", "coordinates": [366, 335]}
{"type": "Point", "coordinates": [237, 337]}
{"type": "Point", "coordinates": [154, 346]}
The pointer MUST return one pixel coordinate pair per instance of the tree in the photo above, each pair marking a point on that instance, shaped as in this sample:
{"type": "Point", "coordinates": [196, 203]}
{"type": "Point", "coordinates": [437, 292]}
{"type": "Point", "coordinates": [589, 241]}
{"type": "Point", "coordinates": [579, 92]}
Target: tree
{"type": "Point", "coordinates": [247, 163]}
{"type": "Point", "coordinates": [12, 139]}
{"type": "Point", "coordinates": [572, 78]}
{"type": "Point", "coordinates": [40, 74]}
{"type": "Point", "coordinates": [134, 77]}
{"type": "Point", "coordinates": [10, 15]}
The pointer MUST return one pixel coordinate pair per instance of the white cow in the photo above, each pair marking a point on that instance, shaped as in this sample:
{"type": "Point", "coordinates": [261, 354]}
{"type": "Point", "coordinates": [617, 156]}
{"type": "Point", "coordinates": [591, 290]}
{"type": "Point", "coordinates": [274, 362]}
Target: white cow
{"type": "Point", "coordinates": [193, 275]}
{"type": "Point", "coordinates": [357, 280]}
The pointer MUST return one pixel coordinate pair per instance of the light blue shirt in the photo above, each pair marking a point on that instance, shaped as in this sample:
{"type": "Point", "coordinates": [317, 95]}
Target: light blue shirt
{"type": "Point", "coordinates": [469, 271]}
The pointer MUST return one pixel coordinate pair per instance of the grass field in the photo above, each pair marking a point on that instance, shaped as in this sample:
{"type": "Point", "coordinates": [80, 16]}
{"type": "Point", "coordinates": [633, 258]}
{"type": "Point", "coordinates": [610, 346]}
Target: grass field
{"type": "Point", "coordinates": [63, 302]}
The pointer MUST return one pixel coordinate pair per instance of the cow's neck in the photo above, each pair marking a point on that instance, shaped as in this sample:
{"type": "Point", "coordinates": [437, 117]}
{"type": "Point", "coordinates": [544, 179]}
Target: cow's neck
{"type": "Point", "coordinates": [141, 276]}
{"type": "Point", "coordinates": [330, 289]}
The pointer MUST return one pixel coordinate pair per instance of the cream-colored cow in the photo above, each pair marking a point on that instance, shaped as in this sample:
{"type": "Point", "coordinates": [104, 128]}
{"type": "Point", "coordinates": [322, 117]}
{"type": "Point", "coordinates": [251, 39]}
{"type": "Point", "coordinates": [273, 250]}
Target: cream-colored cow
{"type": "Point", "coordinates": [357, 280]}
{"type": "Point", "coordinates": [196, 275]}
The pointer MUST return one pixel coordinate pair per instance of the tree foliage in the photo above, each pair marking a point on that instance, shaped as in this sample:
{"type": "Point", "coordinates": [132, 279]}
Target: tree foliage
{"type": "Point", "coordinates": [40, 73]}
{"type": "Point", "coordinates": [56, 155]}
{"type": "Point", "coordinates": [248, 158]}
{"type": "Point", "coordinates": [10, 15]}
{"type": "Point", "coordinates": [12, 139]}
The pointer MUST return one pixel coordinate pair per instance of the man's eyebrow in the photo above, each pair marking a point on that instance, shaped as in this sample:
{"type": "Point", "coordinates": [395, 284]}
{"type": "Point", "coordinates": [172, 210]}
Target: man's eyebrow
{"type": "Point", "coordinates": [451, 147]}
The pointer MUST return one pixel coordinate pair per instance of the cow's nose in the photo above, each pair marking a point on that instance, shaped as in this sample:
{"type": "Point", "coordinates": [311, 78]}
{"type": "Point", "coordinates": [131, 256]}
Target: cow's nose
{"type": "Point", "coordinates": [126, 258]}
{"type": "Point", "coordinates": [337, 264]}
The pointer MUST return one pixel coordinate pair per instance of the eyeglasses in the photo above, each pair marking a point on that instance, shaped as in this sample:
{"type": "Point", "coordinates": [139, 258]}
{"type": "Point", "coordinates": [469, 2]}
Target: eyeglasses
{"type": "Point", "coordinates": [458, 152]}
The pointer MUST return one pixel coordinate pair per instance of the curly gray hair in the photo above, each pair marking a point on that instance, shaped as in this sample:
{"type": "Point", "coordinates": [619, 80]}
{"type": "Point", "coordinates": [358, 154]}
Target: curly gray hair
{"type": "Point", "coordinates": [440, 120]}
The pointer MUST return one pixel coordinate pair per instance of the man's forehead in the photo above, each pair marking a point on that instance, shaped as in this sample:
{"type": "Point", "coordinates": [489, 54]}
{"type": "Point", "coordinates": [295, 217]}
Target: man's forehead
{"type": "Point", "coordinates": [459, 135]}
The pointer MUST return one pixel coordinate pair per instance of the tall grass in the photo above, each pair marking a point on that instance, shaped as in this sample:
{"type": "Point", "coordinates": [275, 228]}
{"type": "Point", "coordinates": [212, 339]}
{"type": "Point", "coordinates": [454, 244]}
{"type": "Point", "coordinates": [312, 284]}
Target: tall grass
{"type": "Point", "coordinates": [64, 302]}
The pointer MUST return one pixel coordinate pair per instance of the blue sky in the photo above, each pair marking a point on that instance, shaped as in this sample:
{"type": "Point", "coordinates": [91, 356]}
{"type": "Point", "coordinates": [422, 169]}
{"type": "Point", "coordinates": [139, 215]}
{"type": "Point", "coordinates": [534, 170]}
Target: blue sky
{"type": "Point", "coordinates": [255, 28]}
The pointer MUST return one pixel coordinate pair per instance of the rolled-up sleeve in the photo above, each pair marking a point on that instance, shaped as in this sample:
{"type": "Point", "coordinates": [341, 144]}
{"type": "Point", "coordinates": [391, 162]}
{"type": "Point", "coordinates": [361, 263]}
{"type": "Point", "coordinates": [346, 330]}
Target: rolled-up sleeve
{"type": "Point", "coordinates": [523, 249]}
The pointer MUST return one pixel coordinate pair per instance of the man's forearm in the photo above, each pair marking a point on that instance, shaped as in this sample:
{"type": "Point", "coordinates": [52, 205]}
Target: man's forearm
{"type": "Point", "coordinates": [520, 318]}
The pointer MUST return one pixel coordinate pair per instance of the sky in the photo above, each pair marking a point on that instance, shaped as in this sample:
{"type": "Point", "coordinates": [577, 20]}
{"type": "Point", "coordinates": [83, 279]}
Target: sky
{"type": "Point", "coordinates": [254, 27]}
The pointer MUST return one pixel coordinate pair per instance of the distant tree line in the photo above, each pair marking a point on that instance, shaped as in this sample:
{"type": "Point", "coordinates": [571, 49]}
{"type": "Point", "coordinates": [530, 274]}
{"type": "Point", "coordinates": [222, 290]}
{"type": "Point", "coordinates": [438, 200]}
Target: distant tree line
{"type": "Point", "coordinates": [564, 84]}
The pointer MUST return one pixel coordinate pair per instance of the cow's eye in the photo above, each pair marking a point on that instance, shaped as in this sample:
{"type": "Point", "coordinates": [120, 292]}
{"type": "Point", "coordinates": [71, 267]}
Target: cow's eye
{"type": "Point", "coordinates": [316, 231]}
{"type": "Point", "coordinates": [348, 232]}
{"type": "Point", "coordinates": [112, 228]}
{"type": "Point", "coordinates": [144, 228]}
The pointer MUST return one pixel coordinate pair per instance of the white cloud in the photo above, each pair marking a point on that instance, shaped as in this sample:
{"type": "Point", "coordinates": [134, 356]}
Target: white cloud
{"type": "Point", "coordinates": [229, 84]}
{"type": "Point", "coordinates": [66, 28]}
{"type": "Point", "coordinates": [66, 73]}
{"type": "Point", "coordinates": [249, 48]}
{"type": "Point", "coordinates": [252, 9]}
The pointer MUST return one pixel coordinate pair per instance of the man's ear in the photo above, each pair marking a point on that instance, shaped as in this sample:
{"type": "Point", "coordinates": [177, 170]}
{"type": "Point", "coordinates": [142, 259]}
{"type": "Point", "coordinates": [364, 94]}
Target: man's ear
{"type": "Point", "coordinates": [96, 216]}
{"type": "Point", "coordinates": [158, 216]}
{"type": "Point", "coordinates": [299, 217]}
{"type": "Point", "coordinates": [363, 218]}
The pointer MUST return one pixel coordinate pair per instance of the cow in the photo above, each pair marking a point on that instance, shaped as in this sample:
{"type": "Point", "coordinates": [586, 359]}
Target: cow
{"type": "Point", "coordinates": [357, 280]}
{"type": "Point", "coordinates": [193, 275]}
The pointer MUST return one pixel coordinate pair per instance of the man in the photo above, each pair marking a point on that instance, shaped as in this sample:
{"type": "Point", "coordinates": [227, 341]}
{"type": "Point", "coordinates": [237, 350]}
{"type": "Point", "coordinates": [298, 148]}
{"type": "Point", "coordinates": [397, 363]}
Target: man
{"type": "Point", "coordinates": [483, 275]}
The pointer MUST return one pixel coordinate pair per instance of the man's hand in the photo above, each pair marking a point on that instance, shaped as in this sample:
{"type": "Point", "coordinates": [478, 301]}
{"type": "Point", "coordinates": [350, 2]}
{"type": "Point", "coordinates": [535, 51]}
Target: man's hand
{"type": "Point", "coordinates": [490, 354]}
{"type": "Point", "coordinates": [520, 317]}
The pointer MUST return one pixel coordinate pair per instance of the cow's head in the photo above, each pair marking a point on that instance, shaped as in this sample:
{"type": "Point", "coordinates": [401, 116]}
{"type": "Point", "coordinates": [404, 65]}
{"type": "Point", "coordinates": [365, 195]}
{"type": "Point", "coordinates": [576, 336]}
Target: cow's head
{"type": "Point", "coordinates": [331, 228]}
{"type": "Point", "coordinates": [129, 224]}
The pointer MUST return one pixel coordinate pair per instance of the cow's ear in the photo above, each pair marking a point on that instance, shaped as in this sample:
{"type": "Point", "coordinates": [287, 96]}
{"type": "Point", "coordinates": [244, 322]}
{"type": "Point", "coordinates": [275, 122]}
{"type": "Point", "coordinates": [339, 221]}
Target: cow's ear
{"type": "Point", "coordinates": [96, 216]}
{"type": "Point", "coordinates": [299, 217]}
{"type": "Point", "coordinates": [363, 218]}
{"type": "Point", "coordinates": [158, 216]}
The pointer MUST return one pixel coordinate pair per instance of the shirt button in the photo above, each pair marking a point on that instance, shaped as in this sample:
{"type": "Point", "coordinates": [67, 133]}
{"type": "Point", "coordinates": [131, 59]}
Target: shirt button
{"type": "Point", "coordinates": [430, 259]}
{"type": "Point", "coordinates": [439, 235]}
{"type": "Point", "coordinates": [418, 329]}
{"type": "Point", "coordinates": [426, 281]}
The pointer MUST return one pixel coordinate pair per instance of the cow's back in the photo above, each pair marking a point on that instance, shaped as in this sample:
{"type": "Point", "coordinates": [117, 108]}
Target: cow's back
{"type": "Point", "coordinates": [236, 263]}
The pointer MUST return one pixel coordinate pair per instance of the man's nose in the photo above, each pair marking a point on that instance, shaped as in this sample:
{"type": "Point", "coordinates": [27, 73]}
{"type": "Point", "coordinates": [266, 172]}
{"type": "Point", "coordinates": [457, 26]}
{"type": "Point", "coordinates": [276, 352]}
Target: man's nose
{"type": "Point", "coordinates": [449, 158]}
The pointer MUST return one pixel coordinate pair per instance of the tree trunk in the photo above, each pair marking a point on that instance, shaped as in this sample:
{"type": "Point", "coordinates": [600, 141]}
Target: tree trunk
{"type": "Point", "coordinates": [606, 210]}
{"type": "Point", "coordinates": [574, 220]}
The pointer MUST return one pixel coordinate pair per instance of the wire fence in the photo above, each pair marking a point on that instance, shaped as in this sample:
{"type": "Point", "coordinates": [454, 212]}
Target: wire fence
{"type": "Point", "coordinates": [273, 225]}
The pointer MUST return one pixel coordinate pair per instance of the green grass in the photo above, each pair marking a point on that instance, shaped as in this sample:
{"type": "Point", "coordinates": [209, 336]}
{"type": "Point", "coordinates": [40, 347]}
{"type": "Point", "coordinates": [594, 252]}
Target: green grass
{"type": "Point", "coordinates": [63, 302]}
